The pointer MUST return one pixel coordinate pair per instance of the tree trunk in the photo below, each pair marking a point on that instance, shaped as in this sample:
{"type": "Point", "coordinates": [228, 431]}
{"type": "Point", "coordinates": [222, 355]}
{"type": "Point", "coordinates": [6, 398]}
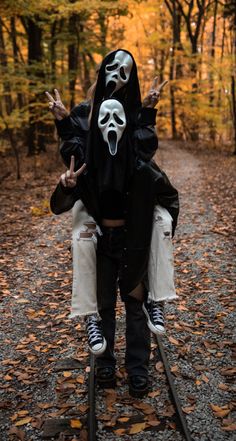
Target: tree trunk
{"type": "Point", "coordinates": [4, 71]}
{"type": "Point", "coordinates": [53, 42]}
{"type": "Point", "coordinates": [15, 151]}
{"type": "Point", "coordinates": [13, 34]}
{"type": "Point", "coordinates": [73, 52]}
{"type": "Point", "coordinates": [233, 95]}
{"type": "Point", "coordinates": [175, 67]}
{"type": "Point", "coordinates": [172, 95]}
{"type": "Point", "coordinates": [211, 75]}
{"type": "Point", "coordinates": [102, 21]}
{"type": "Point", "coordinates": [193, 19]}
{"type": "Point", "coordinates": [36, 138]}
{"type": "Point", "coordinates": [221, 59]}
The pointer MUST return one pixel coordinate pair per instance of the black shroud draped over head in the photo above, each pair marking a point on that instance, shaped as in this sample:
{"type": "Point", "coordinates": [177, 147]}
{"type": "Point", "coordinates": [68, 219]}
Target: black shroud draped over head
{"type": "Point", "coordinates": [129, 94]}
{"type": "Point", "coordinates": [107, 171]}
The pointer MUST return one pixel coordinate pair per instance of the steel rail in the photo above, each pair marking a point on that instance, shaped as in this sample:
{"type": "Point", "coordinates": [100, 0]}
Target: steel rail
{"type": "Point", "coordinates": [91, 401]}
{"type": "Point", "coordinates": [176, 401]}
{"type": "Point", "coordinates": [91, 419]}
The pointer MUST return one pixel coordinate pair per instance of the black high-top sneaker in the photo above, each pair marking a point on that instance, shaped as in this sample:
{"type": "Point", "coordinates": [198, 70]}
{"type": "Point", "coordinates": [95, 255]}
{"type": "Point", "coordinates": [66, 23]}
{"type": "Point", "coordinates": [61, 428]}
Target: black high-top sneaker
{"type": "Point", "coordinates": [97, 343]}
{"type": "Point", "coordinates": [154, 312]}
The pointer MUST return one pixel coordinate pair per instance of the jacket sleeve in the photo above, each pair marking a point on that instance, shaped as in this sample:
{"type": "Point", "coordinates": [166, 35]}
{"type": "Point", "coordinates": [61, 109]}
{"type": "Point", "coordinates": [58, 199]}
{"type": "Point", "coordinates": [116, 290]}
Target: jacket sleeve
{"type": "Point", "coordinates": [167, 196]}
{"type": "Point", "coordinates": [145, 136]}
{"type": "Point", "coordinates": [73, 133]}
{"type": "Point", "coordinates": [63, 198]}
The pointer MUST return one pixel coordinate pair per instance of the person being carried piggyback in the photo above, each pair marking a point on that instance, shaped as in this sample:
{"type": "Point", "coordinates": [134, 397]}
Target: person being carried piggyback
{"type": "Point", "coordinates": [124, 215]}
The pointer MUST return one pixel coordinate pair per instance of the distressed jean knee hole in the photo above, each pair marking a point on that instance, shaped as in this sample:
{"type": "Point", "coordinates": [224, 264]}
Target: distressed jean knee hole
{"type": "Point", "coordinates": [87, 232]}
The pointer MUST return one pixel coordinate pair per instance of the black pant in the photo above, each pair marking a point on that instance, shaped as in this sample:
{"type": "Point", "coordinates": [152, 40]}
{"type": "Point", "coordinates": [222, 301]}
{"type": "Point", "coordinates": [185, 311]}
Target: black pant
{"type": "Point", "coordinates": [109, 251]}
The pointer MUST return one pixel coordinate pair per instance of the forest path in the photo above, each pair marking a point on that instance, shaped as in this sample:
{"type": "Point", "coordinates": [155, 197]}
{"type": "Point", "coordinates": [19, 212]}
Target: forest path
{"type": "Point", "coordinates": [35, 331]}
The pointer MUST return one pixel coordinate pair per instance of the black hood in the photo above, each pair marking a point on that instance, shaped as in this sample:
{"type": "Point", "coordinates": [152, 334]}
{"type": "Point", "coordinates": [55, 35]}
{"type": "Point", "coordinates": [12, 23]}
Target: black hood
{"type": "Point", "coordinates": [129, 94]}
{"type": "Point", "coordinates": [111, 172]}
{"type": "Point", "coordinates": [105, 170]}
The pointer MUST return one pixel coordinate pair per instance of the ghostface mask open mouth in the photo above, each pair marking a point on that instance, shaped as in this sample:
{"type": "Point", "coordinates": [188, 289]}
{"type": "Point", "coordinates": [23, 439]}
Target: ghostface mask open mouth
{"type": "Point", "coordinates": [112, 142]}
{"type": "Point", "coordinates": [110, 88]}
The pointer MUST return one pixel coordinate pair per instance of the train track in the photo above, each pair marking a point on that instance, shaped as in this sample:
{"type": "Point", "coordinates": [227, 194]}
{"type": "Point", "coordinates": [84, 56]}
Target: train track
{"type": "Point", "coordinates": [92, 422]}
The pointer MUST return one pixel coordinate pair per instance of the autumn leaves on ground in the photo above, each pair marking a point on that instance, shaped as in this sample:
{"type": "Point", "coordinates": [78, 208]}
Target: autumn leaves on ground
{"type": "Point", "coordinates": [44, 358]}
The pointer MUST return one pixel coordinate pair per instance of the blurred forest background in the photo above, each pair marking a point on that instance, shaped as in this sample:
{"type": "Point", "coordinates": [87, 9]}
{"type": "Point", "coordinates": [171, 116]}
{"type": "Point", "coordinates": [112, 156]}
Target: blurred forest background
{"type": "Point", "coordinates": [58, 43]}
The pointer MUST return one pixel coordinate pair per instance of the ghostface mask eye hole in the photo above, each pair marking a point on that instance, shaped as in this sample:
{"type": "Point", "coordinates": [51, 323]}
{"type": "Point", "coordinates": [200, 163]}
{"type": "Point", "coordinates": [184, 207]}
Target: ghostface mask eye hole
{"type": "Point", "coordinates": [118, 120]}
{"type": "Point", "coordinates": [105, 119]}
{"type": "Point", "coordinates": [112, 67]}
{"type": "Point", "coordinates": [122, 73]}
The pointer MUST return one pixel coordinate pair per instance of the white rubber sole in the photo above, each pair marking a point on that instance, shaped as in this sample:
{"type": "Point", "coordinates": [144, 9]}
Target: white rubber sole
{"type": "Point", "coordinates": [101, 350]}
{"type": "Point", "coordinates": [158, 330]}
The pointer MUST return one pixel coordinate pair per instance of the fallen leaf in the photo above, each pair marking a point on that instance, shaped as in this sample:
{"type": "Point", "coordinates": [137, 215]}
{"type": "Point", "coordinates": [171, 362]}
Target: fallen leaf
{"type": "Point", "coordinates": [153, 423]}
{"type": "Point", "coordinates": [169, 411]}
{"type": "Point", "coordinates": [123, 419]}
{"type": "Point", "coordinates": [23, 421]}
{"type": "Point", "coordinates": [216, 408]}
{"type": "Point", "coordinates": [23, 412]}
{"type": "Point", "coordinates": [222, 413]}
{"type": "Point", "coordinates": [223, 386]}
{"type": "Point", "coordinates": [5, 404]}
{"type": "Point", "coordinates": [205, 378]}
{"type": "Point", "coordinates": [136, 428]}
{"type": "Point", "coordinates": [80, 379]}
{"type": "Point", "coordinates": [17, 432]}
{"type": "Point", "coordinates": [45, 405]}
{"type": "Point", "coordinates": [175, 369]}
{"type": "Point", "coordinates": [182, 308]}
{"type": "Point", "coordinates": [7, 378]}
{"type": "Point", "coordinates": [228, 372]}
{"type": "Point", "coordinates": [75, 424]}
{"type": "Point", "coordinates": [144, 407]}
{"type": "Point", "coordinates": [188, 409]}
{"type": "Point", "coordinates": [174, 341]}
{"type": "Point", "coordinates": [159, 366]}
{"type": "Point", "coordinates": [120, 431]}
{"type": "Point", "coordinates": [231, 427]}
{"type": "Point", "coordinates": [67, 374]}
{"type": "Point", "coordinates": [83, 408]}
{"type": "Point", "coordinates": [154, 394]}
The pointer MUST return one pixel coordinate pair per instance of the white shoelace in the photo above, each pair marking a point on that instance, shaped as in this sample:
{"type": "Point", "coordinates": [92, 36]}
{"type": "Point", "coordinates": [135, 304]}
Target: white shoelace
{"type": "Point", "coordinates": [157, 313]}
{"type": "Point", "coordinates": [93, 330]}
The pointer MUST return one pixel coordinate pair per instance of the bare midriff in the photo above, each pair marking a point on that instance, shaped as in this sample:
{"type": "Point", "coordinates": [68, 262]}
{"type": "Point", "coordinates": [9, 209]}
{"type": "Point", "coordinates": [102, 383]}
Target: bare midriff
{"type": "Point", "coordinates": [113, 222]}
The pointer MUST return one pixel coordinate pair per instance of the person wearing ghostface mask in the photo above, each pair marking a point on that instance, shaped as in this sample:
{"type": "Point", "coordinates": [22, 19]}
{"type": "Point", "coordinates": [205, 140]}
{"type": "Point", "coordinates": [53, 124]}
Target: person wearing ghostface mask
{"type": "Point", "coordinates": [120, 190]}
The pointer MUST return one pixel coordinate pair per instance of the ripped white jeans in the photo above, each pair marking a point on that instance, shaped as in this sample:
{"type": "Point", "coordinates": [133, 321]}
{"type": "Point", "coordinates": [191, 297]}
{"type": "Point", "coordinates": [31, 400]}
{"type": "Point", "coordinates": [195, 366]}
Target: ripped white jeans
{"type": "Point", "coordinates": [161, 260]}
{"type": "Point", "coordinates": [84, 285]}
{"type": "Point", "coordinates": [84, 243]}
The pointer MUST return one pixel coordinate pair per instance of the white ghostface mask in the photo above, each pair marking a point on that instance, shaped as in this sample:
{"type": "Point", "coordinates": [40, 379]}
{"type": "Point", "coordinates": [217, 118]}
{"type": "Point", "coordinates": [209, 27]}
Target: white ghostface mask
{"type": "Point", "coordinates": [111, 122]}
{"type": "Point", "coordinates": [118, 71]}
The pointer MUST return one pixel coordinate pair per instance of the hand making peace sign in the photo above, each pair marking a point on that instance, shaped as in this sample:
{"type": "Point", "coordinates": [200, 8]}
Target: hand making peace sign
{"type": "Point", "coordinates": [56, 106]}
{"type": "Point", "coordinates": [153, 95]}
{"type": "Point", "coordinates": [69, 178]}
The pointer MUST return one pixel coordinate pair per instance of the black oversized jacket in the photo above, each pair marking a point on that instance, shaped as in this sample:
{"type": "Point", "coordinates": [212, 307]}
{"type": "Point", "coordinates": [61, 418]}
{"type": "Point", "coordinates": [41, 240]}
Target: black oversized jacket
{"type": "Point", "coordinates": [147, 187]}
{"type": "Point", "coordinates": [73, 132]}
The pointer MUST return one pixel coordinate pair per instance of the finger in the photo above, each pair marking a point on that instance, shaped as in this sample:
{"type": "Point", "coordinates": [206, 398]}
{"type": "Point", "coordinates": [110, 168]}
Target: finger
{"type": "Point", "coordinates": [162, 85]}
{"type": "Point", "coordinates": [70, 182]}
{"type": "Point", "coordinates": [154, 83]}
{"type": "Point", "coordinates": [63, 179]}
{"type": "Point", "coordinates": [80, 171]}
{"type": "Point", "coordinates": [68, 175]}
{"type": "Point", "coordinates": [153, 93]}
{"type": "Point", "coordinates": [50, 97]}
{"type": "Point", "coordinates": [72, 164]}
{"type": "Point", "coordinates": [58, 98]}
